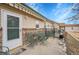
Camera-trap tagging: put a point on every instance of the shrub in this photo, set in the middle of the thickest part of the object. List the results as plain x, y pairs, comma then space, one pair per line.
34, 38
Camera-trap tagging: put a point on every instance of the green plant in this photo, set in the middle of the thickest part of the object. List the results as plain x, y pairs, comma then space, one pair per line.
34, 38
41, 36
30, 38
49, 33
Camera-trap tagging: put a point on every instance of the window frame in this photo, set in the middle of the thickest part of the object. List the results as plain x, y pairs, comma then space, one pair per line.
12, 28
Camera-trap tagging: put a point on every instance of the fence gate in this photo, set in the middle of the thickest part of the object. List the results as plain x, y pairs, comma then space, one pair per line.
56, 34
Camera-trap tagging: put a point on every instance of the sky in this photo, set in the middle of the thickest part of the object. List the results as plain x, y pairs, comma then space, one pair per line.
55, 11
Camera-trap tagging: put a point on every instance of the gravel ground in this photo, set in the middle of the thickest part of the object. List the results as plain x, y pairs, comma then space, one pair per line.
52, 46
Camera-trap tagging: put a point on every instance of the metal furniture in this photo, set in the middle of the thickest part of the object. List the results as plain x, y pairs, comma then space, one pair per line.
4, 50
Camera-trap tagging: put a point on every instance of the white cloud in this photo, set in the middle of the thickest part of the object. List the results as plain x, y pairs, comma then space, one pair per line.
65, 13
64, 16
59, 5
34, 6
60, 13
37, 7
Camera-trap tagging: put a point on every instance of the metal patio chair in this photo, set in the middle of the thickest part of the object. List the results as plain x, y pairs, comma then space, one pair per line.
4, 50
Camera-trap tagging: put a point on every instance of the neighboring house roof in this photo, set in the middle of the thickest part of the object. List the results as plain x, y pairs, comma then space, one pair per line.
69, 25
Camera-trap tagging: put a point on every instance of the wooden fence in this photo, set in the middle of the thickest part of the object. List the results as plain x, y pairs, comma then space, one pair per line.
72, 43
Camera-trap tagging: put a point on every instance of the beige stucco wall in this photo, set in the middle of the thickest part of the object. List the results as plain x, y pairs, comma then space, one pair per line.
49, 24
56, 26
27, 21
30, 22
70, 28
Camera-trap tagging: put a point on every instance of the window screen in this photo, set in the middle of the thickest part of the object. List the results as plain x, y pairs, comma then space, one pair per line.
12, 27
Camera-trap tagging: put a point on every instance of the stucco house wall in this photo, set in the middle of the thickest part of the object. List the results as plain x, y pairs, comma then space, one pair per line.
29, 25
74, 28
56, 26
30, 22
27, 22
49, 25
70, 27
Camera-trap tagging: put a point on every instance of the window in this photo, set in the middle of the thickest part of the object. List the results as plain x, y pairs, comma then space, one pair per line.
13, 34
47, 26
37, 25
12, 27
72, 28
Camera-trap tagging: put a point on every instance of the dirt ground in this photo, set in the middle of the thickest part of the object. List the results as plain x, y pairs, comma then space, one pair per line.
52, 46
